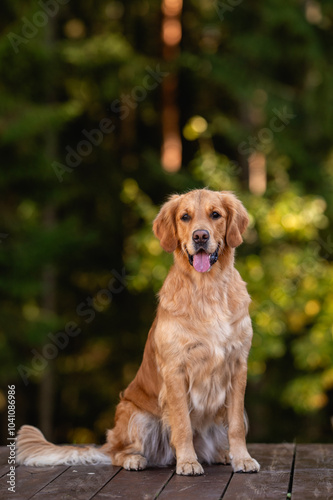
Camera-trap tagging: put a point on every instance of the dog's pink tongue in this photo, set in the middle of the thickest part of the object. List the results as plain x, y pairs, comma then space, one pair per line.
201, 262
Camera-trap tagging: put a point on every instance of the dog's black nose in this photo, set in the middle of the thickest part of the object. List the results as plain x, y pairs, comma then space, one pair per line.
200, 236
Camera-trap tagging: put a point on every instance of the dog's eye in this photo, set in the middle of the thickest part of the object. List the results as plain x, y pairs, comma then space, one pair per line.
215, 215
185, 217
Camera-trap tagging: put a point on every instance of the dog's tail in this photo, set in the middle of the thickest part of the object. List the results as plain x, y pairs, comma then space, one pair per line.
33, 449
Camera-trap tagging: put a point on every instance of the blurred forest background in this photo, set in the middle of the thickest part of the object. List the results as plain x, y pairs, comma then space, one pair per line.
107, 108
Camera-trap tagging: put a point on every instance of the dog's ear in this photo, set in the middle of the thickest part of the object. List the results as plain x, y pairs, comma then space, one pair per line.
238, 219
164, 226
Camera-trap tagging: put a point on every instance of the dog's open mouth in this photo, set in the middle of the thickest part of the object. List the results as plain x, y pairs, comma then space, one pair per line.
203, 261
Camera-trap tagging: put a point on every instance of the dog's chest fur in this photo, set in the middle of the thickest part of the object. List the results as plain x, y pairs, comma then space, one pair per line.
204, 334
208, 347
209, 366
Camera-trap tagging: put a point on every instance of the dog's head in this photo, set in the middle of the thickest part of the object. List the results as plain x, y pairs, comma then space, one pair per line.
200, 224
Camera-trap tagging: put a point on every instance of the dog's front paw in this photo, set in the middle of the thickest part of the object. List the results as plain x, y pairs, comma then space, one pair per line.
135, 462
245, 464
192, 468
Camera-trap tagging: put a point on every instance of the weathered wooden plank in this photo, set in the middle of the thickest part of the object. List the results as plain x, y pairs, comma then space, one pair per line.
273, 479
313, 478
273, 457
3, 470
312, 484
313, 473
264, 485
314, 456
3, 455
209, 486
4, 466
145, 484
29, 480
80, 482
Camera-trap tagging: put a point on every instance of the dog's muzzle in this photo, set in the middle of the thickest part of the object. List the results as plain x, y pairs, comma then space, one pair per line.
203, 261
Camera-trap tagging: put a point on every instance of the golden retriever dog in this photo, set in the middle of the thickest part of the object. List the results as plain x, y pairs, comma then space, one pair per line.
186, 402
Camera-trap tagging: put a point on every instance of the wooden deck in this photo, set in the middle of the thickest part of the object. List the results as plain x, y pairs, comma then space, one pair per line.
287, 471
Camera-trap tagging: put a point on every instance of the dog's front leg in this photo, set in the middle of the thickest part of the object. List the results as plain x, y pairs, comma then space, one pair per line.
241, 460
180, 425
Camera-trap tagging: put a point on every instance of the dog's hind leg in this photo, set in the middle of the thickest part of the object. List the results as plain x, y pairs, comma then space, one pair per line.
124, 442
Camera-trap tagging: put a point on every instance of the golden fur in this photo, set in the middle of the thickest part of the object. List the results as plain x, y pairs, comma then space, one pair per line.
187, 399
